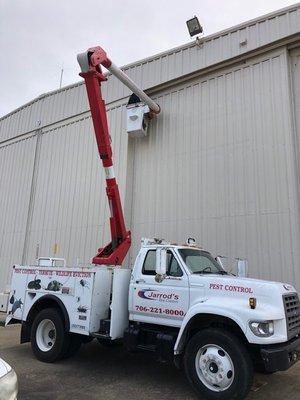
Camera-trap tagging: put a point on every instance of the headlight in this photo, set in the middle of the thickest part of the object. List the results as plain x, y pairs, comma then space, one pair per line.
9, 386
262, 328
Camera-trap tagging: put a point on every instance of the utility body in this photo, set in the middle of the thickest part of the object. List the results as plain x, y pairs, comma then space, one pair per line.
177, 302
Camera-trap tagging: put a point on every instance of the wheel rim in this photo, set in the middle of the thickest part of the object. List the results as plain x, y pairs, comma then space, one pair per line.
214, 367
45, 335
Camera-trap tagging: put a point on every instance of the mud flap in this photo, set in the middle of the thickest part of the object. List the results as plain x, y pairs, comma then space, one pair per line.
25, 332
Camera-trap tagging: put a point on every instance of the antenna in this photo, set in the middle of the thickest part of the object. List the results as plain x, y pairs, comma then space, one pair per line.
61, 76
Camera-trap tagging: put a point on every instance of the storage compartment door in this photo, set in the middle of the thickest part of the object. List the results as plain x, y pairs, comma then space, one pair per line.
119, 304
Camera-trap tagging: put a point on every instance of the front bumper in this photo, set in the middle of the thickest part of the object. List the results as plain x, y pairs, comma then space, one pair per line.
280, 357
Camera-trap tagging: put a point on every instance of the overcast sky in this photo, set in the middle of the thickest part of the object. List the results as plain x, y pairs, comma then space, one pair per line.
38, 37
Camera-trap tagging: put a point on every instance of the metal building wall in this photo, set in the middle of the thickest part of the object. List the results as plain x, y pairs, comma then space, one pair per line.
52, 192
295, 99
70, 207
156, 70
219, 164
45, 110
16, 170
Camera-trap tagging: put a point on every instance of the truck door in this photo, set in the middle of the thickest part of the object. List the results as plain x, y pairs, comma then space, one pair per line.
160, 303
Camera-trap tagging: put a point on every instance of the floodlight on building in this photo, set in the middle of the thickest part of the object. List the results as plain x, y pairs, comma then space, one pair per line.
194, 26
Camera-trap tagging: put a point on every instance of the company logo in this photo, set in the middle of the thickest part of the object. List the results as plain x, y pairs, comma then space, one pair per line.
149, 294
288, 287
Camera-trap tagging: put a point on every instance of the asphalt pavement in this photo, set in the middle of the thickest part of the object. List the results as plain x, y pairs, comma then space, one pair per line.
97, 372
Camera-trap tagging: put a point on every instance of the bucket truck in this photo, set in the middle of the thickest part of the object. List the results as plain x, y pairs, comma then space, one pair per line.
177, 302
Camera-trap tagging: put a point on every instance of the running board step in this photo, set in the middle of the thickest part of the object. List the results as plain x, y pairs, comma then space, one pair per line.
101, 335
148, 347
104, 328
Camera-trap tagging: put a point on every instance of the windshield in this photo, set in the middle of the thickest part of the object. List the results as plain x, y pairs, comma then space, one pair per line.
200, 262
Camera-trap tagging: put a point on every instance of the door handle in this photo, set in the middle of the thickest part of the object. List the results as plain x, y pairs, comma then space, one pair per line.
195, 285
140, 281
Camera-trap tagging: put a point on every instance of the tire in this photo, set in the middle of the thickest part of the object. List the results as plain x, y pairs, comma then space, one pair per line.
74, 345
214, 350
49, 341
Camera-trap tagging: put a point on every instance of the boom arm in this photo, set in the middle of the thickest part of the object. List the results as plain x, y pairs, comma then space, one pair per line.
90, 63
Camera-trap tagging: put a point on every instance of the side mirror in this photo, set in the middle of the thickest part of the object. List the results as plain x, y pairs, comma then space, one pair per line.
161, 264
242, 268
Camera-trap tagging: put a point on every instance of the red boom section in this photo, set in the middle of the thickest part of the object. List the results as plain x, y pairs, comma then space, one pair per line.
115, 252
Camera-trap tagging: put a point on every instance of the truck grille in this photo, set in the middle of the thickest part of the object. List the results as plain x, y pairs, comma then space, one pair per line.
292, 312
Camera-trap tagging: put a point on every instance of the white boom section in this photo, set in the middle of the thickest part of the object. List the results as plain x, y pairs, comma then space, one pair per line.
118, 73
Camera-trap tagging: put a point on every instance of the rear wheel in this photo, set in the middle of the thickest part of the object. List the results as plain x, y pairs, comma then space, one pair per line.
49, 341
218, 365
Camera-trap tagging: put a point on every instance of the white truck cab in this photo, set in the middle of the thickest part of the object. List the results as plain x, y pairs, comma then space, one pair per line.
177, 302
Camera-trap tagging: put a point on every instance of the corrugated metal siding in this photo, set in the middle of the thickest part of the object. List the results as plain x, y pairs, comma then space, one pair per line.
65, 103
157, 70
16, 168
295, 83
218, 165
295, 101
43, 111
216, 48
70, 203
23, 120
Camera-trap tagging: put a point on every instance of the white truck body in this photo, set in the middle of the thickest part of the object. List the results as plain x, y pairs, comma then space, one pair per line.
168, 314
90, 294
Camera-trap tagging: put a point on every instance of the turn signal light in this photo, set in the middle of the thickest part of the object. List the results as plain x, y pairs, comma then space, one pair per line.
252, 303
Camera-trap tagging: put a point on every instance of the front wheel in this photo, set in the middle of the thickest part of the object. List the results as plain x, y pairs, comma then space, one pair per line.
218, 365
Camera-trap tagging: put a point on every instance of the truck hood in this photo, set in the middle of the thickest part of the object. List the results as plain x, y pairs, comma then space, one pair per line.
229, 296
240, 287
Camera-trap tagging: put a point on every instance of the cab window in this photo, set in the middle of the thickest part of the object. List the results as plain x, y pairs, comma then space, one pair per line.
173, 268
149, 263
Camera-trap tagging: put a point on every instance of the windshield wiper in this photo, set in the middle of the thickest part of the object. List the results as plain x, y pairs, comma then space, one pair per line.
210, 272
203, 272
